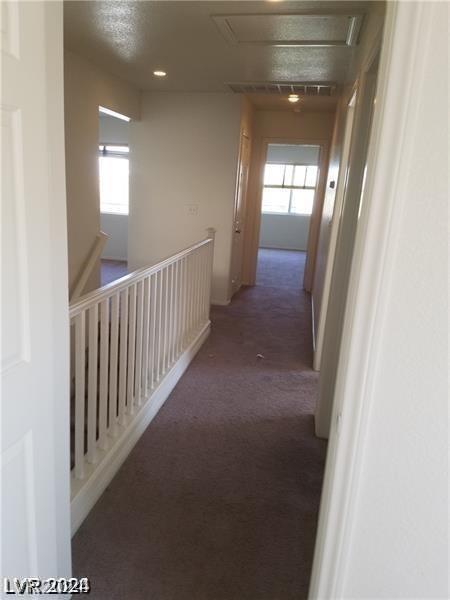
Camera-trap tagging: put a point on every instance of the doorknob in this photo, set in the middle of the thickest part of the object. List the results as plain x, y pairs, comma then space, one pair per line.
237, 231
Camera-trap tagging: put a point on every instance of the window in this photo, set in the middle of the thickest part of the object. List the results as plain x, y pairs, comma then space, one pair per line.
114, 172
289, 189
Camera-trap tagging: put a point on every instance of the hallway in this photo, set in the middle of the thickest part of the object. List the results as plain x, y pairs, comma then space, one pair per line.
219, 498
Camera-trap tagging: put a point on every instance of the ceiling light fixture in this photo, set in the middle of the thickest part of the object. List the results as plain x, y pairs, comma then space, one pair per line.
294, 98
159, 73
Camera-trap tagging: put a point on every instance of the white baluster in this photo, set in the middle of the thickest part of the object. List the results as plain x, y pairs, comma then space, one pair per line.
202, 285
180, 308
205, 284
92, 385
171, 315
190, 296
198, 289
168, 315
184, 308
146, 337
131, 349
139, 341
166, 320
113, 356
175, 311
104, 359
80, 392
159, 326
123, 342
153, 313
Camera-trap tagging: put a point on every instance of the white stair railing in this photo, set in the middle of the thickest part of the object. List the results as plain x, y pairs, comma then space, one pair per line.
128, 335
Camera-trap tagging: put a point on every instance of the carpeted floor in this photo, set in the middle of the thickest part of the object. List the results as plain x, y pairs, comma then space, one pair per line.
219, 498
110, 270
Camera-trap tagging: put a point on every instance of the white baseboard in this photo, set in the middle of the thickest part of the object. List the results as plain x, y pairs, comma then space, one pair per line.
121, 258
266, 247
220, 302
87, 491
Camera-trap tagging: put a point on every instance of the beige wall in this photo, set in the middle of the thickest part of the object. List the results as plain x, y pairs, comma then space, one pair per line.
275, 125
85, 88
184, 155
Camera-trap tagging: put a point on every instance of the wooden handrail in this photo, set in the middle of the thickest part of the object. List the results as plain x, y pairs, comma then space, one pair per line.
76, 307
94, 255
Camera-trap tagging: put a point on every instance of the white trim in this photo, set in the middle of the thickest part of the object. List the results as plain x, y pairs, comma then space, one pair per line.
220, 302
87, 491
116, 258
290, 248
340, 183
313, 329
402, 66
113, 113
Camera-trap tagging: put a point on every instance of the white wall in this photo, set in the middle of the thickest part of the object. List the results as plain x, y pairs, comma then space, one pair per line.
114, 131
184, 154
383, 527
85, 89
290, 154
116, 226
399, 545
288, 232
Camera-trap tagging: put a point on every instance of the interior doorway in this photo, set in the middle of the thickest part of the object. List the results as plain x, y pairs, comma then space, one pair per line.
347, 226
113, 167
289, 188
333, 226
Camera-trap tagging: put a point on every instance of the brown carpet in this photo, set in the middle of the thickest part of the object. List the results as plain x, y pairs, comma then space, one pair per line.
219, 498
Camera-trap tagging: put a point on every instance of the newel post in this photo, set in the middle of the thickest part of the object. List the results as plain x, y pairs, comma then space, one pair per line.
211, 233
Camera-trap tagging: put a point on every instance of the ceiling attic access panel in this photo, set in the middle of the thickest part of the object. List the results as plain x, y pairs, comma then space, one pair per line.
295, 30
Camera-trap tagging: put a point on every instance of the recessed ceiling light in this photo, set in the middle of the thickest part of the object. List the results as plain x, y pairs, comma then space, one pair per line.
293, 98
159, 73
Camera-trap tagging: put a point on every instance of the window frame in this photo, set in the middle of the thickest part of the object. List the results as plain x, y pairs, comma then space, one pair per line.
106, 150
291, 188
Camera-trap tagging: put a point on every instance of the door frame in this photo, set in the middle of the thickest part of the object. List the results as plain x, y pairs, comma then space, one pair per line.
244, 134
341, 185
408, 26
253, 209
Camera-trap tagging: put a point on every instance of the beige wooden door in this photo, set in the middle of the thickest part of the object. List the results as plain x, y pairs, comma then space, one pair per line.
239, 214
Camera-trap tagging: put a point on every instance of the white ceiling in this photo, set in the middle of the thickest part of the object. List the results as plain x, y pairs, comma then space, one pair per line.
132, 39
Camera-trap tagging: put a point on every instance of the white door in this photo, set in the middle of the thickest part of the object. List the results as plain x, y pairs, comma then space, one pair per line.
239, 212
34, 461
333, 225
346, 235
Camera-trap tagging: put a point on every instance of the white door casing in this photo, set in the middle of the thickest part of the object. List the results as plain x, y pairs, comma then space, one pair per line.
334, 228
239, 214
35, 518
345, 239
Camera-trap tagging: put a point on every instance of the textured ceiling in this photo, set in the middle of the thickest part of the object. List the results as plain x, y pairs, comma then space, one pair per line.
132, 39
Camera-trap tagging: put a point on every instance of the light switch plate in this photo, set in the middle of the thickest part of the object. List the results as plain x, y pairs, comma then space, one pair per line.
192, 210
